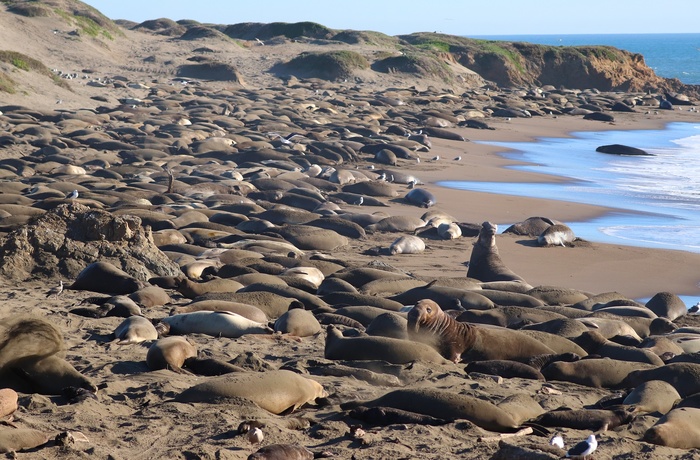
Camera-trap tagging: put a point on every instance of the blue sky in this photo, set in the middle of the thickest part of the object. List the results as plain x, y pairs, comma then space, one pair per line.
457, 17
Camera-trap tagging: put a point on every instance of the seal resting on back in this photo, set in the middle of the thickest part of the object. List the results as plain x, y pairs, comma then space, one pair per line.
429, 324
485, 264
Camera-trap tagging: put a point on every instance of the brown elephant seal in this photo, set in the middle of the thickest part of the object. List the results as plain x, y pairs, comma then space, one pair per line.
298, 322
595, 344
23, 339
446, 405
19, 439
150, 296
8, 402
667, 305
678, 428
684, 377
427, 323
532, 226
384, 416
395, 351
105, 278
135, 329
596, 373
505, 368
277, 392
170, 353
407, 244
585, 419
389, 325
485, 263
282, 452
214, 323
191, 289
652, 396
48, 376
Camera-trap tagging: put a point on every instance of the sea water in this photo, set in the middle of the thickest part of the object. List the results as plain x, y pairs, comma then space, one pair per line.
656, 198
669, 55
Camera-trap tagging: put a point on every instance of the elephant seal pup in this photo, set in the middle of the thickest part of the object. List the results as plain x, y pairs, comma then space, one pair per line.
446, 405
395, 351
407, 244
135, 329
429, 324
484, 263
278, 392
652, 396
298, 322
214, 323
170, 353
105, 278
678, 428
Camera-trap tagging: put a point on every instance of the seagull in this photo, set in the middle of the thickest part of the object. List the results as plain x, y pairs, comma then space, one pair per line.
72, 195
557, 440
359, 201
417, 159
695, 308
459, 158
255, 435
436, 157
382, 176
583, 449
56, 290
412, 183
260, 42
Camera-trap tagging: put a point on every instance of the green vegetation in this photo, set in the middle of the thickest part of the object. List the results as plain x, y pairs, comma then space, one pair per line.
298, 29
331, 65
7, 84
26, 63
411, 63
435, 45
502, 49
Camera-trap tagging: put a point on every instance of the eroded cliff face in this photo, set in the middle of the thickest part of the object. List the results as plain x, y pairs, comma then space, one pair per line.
524, 64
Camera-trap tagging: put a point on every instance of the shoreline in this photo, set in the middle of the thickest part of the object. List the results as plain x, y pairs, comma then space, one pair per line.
601, 268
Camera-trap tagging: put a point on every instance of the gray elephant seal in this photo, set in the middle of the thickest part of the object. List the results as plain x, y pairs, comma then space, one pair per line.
556, 235
420, 197
282, 452
106, 278
485, 263
135, 329
407, 244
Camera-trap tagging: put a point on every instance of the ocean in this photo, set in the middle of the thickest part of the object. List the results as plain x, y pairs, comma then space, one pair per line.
657, 198
669, 55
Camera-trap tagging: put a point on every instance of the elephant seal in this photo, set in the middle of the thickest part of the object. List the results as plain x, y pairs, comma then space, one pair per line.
277, 392
298, 322
190, 289
388, 325
407, 244
684, 377
445, 405
420, 197
251, 312
105, 278
214, 323
505, 368
427, 323
556, 235
23, 339
596, 373
170, 353
585, 419
395, 351
8, 402
135, 329
485, 263
18, 439
678, 428
667, 305
652, 396
532, 226
595, 344
282, 452
384, 416
48, 376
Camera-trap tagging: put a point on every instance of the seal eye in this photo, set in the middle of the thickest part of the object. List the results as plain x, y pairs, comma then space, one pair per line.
429, 310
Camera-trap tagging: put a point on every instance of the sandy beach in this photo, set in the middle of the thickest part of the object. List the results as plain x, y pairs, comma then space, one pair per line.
185, 184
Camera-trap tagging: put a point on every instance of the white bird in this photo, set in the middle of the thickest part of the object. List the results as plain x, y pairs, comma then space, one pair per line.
436, 157
255, 435
72, 195
583, 449
359, 201
56, 290
459, 158
417, 159
557, 440
260, 42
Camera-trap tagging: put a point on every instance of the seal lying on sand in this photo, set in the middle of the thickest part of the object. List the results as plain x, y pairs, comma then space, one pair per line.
485, 264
